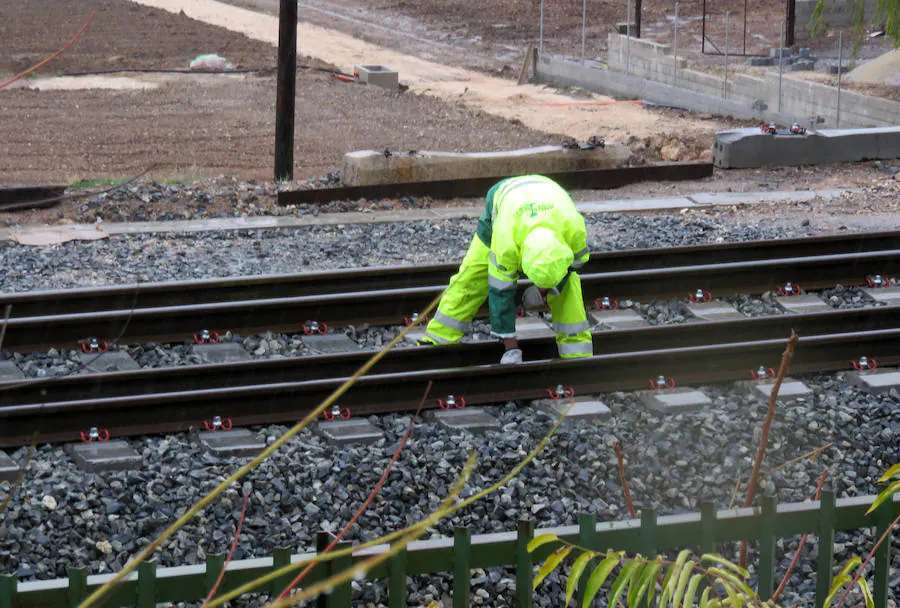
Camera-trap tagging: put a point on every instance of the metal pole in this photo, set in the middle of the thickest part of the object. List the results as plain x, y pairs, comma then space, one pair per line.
725, 80
703, 31
286, 91
745, 27
541, 35
780, 65
628, 40
840, 72
675, 48
583, 27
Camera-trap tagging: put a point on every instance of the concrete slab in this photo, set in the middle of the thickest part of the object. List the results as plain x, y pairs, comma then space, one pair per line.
626, 205
886, 295
342, 432
330, 343
223, 352
237, 442
803, 303
751, 198
414, 335
584, 408
532, 328
715, 311
9, 372
623, 318
9, 468
791, 390
674, 401
112, 361
378, 75
474, 420
115, 455
368, 167
876, 381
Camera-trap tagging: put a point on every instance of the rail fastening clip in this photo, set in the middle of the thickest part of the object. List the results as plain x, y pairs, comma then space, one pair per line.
314, 327
94, 434
336, 412
452, 402
207, 337
93, 345
562, 391
701, 295
789, 289
662, 382
864, 364
218, 424
763, 373
606, 303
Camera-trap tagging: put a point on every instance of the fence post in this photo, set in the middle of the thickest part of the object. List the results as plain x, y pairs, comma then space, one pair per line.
780, 65
214, 565
342, 596
146, 585
281, 558
77, 586
708, 527
825, 561
883, 518
397, 581
462, 557
587, 529
628, 40
725, 79
323, 539
837, 122
541, 34
8, 584
675, 48
583, 27
524, 565
286, 91
766, 569
648, 532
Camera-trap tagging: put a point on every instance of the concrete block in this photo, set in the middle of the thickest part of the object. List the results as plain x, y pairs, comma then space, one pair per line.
9, 468
780, 52
115, 455
378, 75
584, 408
875, 381
9, 372
224, 352
805, 53
715, 311
802, 304
791, 390
760, 61
368, 167
886, 295
342, 432
237, 442
674, 401
623, 318
111, 361
533, 328
330, 343
803, 65
473, 420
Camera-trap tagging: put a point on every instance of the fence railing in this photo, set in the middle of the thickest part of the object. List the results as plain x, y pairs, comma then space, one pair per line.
459, 555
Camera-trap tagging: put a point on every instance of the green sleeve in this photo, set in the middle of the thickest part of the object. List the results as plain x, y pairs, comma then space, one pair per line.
502, 303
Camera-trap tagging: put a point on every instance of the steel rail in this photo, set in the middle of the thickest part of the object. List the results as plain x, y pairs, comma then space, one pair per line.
587, 179
392, 392
389, 307
303, 369
182, 293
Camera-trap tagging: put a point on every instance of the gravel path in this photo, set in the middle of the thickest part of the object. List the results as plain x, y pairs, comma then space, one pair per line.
63, 517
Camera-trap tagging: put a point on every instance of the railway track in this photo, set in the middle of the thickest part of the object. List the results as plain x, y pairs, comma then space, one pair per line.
283, 390
385, 296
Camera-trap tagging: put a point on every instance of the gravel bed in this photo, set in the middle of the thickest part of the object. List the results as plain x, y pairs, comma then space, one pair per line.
848, 297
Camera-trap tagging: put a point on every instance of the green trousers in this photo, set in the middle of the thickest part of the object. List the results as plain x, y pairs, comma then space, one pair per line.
469, 287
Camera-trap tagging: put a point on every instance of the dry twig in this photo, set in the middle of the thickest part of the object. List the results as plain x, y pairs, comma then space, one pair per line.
621, 458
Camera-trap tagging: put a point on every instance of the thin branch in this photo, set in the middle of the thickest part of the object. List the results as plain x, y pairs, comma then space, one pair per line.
237, 536
620, 457
53, 56
372, 494
867, 560
812, 453
764, 436
6, 315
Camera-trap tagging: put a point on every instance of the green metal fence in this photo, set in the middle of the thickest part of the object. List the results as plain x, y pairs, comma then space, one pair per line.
649, 535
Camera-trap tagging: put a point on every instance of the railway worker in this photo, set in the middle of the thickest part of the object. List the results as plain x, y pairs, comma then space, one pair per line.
529, 224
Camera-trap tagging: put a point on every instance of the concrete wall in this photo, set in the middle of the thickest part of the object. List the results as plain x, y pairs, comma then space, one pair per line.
800, 99
837, 13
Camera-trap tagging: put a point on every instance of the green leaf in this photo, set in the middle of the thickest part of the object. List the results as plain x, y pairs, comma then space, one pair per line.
625, 576
884, 495
729, 588
671, 579
852, 563
648, 587
577, 568
731, 578
837, 584
636, 582
550, 565
704, 599
867, 593
682, 582
543, 539
598, 577
691, 591
711, 557
891, 472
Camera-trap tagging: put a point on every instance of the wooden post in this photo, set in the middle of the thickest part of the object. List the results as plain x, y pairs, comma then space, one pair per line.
287, 89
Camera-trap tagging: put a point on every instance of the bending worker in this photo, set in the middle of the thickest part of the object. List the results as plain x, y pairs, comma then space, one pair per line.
529, 224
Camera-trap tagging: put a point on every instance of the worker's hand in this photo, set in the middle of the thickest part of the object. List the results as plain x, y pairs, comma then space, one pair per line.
533, 299
511, 357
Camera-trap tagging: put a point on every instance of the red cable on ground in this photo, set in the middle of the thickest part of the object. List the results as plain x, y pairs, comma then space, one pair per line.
237, 535
53, 56
368, 501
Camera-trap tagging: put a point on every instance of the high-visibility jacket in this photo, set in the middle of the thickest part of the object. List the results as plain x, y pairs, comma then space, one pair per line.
513, 208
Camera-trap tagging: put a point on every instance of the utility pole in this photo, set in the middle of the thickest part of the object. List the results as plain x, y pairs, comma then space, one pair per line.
637, 18
286, 91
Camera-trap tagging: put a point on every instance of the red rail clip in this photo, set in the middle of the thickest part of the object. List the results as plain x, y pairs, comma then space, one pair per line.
415, 317
561, 392
662, 382
701, 295
789, 289
763, 373
313, 327
93, 345
878, 281
207, 337
218, 424
337, 412
606, 304
94, 434
864, 364
452, 403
